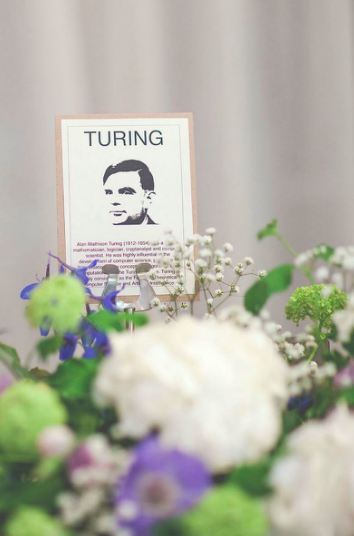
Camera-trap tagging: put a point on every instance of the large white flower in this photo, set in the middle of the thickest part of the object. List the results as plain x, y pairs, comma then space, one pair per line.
314, 484
212, 389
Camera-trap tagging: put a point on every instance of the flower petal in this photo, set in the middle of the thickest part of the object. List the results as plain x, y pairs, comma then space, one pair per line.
27, 291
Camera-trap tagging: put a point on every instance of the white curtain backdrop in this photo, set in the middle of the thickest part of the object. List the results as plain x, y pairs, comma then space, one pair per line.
270, 84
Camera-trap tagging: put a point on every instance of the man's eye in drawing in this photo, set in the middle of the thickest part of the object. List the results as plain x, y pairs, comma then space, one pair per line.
127, 191
108, 192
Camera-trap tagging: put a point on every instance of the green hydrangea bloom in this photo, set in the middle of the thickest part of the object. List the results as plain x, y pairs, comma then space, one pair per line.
30, 521
310, 302
58, 300
226, 511
27, 408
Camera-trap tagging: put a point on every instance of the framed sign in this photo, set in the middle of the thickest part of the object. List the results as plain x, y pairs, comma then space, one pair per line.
122, 180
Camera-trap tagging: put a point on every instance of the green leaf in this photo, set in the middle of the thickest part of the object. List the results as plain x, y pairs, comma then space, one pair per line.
347, 395
49, 345
73, 378
172, 527
9, 357
106, 321
323, 252
39, 374
16, 493
268, 230
275, 281
253, 479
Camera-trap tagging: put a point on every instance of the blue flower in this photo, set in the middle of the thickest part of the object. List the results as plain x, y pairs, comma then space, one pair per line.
26, 295
302, 403
80, 273
27, 291
68, 347
109, 301
94, 342
159, 485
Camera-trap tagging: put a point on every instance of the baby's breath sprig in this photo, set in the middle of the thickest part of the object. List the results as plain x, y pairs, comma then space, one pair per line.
209, 267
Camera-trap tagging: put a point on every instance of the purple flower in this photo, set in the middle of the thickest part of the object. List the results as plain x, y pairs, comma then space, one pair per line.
345, 377
26, 295
68, 347
94, 342
109, 301
80, 273
27, 291
160, 484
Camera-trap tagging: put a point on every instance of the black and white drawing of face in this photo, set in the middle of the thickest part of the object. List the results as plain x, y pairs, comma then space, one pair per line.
127, 201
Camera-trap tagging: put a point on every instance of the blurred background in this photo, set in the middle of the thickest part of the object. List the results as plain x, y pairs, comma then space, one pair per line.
270, 84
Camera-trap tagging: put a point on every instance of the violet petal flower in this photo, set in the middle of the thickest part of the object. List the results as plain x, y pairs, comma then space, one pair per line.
27, 291
93, 341
26, 295
109, 301
160, 484
68, 348
80, 273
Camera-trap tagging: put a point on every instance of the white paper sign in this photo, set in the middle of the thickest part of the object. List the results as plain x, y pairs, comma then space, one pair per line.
122, 181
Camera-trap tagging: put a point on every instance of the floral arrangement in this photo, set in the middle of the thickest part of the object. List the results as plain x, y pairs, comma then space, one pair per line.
225, 426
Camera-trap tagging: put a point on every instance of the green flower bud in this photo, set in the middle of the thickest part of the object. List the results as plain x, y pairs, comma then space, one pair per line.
27, 408
317, 302
226, 511
30, 521
57, 301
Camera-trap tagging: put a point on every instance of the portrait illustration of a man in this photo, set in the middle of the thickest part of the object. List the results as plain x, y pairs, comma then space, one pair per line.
129, 191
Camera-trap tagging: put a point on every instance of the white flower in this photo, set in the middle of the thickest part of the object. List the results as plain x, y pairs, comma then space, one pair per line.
200, 263
248, 261
56, 441
155, 302
210, 231
344, 320
212, 390
184, 305
343, 257
210, 277
227, 247
219, 278
227, 261
326, 291
264, 314
210, 302
303, 258
206, 240
218, 292
235, 289
322, 274
262, 273
239, 270
205, 252
218, 253
338, 280
314, 484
